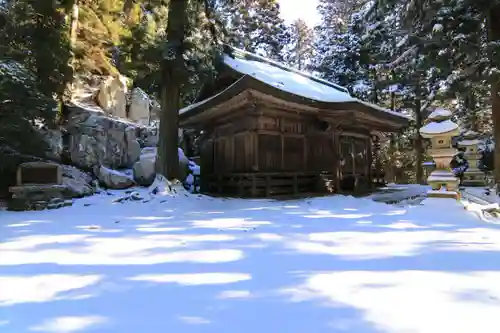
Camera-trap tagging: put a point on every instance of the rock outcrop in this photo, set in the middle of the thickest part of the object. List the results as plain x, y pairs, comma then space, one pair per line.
108, 129
94, 139
112, 96
114, 179
54, 139
140, 107
79, 183
144, 168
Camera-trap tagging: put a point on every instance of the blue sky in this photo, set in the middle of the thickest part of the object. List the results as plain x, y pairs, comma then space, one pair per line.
305, 9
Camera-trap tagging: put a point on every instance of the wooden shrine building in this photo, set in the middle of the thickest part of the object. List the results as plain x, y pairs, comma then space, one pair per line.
270, 130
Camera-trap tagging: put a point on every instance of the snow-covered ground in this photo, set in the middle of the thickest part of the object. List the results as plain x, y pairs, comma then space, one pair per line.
199, 264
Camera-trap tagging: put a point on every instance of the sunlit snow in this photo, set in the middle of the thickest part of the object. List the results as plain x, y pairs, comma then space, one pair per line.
193, 263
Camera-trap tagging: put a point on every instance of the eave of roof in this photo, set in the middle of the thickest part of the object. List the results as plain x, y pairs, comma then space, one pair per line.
249, 82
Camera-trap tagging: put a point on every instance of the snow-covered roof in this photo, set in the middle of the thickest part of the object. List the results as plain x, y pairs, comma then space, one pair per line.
470, 135
286, 79
471, 142
434, 128
439, 114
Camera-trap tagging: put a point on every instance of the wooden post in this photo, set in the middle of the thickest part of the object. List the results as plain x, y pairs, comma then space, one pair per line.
241, 186
268, 186
219, 183
295, 185
254, 186
369, 175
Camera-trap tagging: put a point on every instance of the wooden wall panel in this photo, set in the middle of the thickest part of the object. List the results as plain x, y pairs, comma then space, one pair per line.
240, 153
291, 126
207, 156
269, 152
268, 123
224, 156
293, 153
346, 155
320, 153
360, 155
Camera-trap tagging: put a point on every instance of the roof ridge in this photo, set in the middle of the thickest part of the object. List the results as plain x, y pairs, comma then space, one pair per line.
252, 56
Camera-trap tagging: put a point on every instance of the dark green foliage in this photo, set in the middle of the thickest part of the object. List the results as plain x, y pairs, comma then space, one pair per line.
33, 73
35, 35
256, 26
22, 106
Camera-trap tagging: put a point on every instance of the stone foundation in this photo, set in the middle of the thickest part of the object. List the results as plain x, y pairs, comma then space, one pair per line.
37, 197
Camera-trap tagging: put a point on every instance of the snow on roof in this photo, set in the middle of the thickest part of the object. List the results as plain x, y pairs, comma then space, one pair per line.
375, 106
439, 114
470, 142
470, 134
292, 80
433, 128
288, 80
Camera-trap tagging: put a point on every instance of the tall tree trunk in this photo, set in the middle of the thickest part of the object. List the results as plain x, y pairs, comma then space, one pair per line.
73, 34
419, 149
172, 76
470, 107
493, 23
74, 23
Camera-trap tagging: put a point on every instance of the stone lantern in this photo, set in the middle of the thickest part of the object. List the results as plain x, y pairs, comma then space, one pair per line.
440, 129
470, 142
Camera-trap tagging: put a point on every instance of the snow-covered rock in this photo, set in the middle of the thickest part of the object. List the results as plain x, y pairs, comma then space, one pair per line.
195, 168
183, 165
114, 179
148, 136
133, 146
189, 182
96, 139
79, 183
438, 27
112, 96
54, 139
154, 110
139, 109
144, 168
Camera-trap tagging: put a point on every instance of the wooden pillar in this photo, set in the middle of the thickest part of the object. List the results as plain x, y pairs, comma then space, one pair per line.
254, 186
241, 187
336, 159
369, 163
255, 141
268, 186
295, 185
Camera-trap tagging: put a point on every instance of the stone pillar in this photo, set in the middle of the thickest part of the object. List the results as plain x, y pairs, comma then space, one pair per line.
473, 176
440, 129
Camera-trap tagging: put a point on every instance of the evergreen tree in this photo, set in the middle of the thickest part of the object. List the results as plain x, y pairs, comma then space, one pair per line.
33, 73
35, 34
256, 26
301, 49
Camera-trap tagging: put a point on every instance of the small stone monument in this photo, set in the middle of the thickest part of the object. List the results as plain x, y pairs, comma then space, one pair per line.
440, 129
473, 176
39, 186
